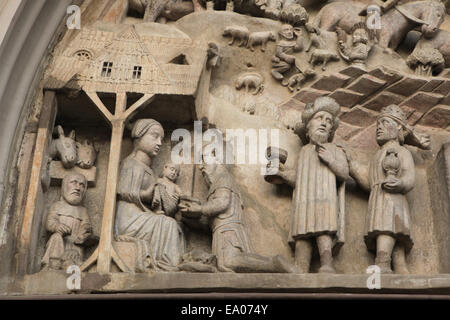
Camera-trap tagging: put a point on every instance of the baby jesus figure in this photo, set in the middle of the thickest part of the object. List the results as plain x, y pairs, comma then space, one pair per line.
166, 196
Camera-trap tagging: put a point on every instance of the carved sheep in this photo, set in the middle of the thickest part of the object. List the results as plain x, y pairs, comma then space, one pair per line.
236, 33
250, 80
260, 38
296, 81
324, 56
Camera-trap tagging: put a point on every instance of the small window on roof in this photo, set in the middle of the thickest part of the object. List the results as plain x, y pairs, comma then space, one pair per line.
106, 69
83, 55
180, 59
137, 71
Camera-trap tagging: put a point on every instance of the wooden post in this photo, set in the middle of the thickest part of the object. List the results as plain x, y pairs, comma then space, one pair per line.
31, 217
105, 251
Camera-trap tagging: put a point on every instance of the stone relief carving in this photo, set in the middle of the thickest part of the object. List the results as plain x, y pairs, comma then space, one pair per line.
64, 148
439, 42
318, 182
297, 80
71, 152
351, 98
69, 224
357, 52
87, 154
426, 62
396, 22
158, 237
238, 33
166, 195
322, 53
224, 207
250, 80
260, 38
390, 176
290, 42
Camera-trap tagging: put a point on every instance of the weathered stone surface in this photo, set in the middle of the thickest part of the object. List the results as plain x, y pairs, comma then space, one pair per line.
382, 100
353, 71
443, 88
55, 283
387, 74
438, 117
307, 95
360, 116
422, 101
446, 100
407, 86
331, 82
366, 84
432, 84
445, 73
347, 131
346, 98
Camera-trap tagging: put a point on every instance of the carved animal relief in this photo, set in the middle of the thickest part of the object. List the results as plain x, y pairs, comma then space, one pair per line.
169, 138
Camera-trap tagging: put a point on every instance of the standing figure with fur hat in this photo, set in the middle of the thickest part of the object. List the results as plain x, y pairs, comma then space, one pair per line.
319, 188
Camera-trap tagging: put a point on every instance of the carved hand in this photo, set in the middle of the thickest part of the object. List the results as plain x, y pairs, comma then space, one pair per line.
325, 154
63, 229
191, 210
392, 185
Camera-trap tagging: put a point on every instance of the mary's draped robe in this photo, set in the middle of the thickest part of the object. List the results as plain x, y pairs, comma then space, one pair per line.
158, 236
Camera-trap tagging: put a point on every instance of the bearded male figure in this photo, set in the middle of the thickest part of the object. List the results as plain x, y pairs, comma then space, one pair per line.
69, 223
318, 213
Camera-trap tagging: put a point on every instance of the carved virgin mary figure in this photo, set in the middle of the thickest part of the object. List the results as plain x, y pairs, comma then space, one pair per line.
159, 238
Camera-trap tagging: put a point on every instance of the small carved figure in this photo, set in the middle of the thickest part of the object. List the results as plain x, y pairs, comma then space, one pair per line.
290, 42
167, 194
69, 224
362, 42
64, 148
319, 187
260, 38
213, 55
390, 176
297, 80
236, 33
224, 207
250, 80
87, 154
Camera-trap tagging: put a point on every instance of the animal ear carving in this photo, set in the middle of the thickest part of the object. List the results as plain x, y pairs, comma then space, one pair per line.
72, 134
60, 131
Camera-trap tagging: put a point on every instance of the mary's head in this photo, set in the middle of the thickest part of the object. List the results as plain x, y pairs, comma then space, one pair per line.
148, 135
